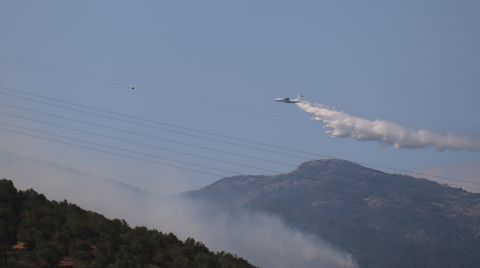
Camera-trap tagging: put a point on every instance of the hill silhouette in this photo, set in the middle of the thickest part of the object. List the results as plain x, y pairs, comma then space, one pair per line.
383, 220
36, 232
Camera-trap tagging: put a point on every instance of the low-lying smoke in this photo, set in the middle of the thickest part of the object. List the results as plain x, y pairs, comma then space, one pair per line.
343, 125
264, 240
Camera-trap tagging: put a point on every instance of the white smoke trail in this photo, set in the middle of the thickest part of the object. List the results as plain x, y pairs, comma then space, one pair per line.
341, 125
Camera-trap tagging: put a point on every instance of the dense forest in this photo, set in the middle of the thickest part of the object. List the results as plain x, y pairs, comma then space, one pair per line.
36, 232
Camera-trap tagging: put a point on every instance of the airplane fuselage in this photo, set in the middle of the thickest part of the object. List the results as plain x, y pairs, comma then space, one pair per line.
288, 100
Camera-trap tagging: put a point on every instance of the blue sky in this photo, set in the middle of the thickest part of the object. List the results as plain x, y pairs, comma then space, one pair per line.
412, 62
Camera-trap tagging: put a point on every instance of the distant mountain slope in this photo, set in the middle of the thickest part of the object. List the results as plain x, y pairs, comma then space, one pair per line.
35, 232
384, 220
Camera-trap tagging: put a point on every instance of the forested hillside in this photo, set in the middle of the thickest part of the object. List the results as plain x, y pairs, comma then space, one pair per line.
383, 220
36, 232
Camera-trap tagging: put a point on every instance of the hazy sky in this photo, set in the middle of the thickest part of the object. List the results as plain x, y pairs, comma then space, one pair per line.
411, 62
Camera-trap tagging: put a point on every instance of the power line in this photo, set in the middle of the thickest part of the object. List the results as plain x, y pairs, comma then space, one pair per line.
290, 190
131, 151
237, 172
170, 150
125, 85
147, 135
150, 126
134, 142
134, 117
206, 132
116, 148
203, 172
160, 138
122, 149
111, 153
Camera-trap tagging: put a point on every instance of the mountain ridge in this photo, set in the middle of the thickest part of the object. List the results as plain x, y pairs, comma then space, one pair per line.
384, 220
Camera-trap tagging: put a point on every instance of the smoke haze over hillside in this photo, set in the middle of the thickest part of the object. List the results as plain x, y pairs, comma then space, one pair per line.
262, 239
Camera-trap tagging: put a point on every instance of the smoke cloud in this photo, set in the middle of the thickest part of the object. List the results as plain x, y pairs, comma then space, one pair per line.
343, 125
264, 240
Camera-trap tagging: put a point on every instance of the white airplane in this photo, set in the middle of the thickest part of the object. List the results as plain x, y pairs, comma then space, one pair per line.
288, 100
